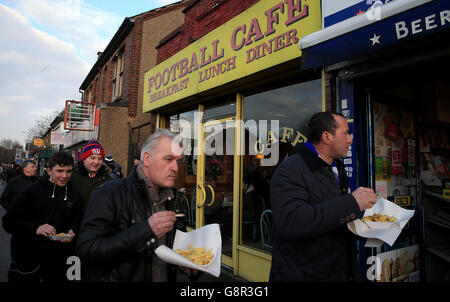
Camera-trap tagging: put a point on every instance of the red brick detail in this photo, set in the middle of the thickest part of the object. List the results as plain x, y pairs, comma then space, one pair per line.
201, 18
135, 62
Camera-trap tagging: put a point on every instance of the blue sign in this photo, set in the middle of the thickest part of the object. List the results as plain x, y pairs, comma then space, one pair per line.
351, 11
416, 22
347, 110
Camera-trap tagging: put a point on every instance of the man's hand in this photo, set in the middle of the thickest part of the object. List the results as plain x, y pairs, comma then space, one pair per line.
162, 222
45, 230
189, 271
365, 198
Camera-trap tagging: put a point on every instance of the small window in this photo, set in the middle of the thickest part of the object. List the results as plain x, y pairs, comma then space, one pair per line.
117, 76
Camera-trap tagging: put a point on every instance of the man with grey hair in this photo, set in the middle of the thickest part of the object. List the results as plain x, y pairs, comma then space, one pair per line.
17, 183
127, 219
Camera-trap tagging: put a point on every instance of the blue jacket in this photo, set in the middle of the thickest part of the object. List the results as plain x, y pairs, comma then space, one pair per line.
311, 241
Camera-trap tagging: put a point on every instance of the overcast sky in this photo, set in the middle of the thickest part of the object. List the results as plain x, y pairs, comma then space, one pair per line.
47, 47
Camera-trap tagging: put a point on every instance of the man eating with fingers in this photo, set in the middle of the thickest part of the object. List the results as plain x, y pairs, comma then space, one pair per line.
127, 219
43, 209
311, 206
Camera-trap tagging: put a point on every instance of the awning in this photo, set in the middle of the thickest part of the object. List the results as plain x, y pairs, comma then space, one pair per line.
393, 23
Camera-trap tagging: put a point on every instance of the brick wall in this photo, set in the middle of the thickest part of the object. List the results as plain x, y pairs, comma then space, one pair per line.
139, 56
135, 61
201, 18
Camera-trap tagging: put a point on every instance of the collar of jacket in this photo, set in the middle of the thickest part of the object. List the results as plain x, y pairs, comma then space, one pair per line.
28, 178
80, 168
45, 180
311, 159
315, 163
155, 195
133, 180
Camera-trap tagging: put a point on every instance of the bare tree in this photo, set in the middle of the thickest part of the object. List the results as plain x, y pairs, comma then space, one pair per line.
41, 126
8, 150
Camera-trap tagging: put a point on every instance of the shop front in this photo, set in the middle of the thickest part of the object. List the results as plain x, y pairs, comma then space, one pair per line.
392, 83
240, 101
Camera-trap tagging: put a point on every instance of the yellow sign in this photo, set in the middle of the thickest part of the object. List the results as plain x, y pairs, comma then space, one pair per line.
38, 142
446, 193
265, 35
403, 201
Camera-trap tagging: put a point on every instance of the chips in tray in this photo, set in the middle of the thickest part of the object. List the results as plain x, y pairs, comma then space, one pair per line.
199, 256
60, 236
380, 218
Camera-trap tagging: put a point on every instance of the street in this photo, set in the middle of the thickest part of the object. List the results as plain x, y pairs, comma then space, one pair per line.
4, 246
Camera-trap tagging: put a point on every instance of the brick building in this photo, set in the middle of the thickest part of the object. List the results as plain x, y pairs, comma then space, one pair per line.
115, 81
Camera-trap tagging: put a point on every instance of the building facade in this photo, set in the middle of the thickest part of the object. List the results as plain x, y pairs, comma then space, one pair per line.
115, 81
229, 81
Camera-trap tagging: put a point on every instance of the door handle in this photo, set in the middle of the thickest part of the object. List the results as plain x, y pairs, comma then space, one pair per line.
202, 202
213, 197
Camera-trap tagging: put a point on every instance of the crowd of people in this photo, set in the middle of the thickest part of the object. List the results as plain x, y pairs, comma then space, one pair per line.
87, 209
114, 224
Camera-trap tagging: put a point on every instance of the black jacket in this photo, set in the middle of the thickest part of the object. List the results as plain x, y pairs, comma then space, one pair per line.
86, 185
35, 206
116, 242
13, 188
311, 241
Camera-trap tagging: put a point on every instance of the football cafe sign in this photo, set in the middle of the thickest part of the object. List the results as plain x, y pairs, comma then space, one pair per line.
265, 35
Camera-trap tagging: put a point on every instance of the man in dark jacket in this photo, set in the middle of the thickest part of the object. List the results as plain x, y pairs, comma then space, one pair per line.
116, 168
17, 183
40, 211
126, 219
89, 173
311, 206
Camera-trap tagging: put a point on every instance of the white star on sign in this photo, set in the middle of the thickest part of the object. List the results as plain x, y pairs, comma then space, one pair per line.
375, 39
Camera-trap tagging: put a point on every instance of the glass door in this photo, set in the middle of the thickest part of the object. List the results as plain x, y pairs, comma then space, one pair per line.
208, 174
215, 180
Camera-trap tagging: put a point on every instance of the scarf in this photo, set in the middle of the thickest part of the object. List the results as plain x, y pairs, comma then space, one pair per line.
157, 199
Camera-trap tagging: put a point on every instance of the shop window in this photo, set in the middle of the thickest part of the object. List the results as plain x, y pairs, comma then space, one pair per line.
292, 107
187, 170
220, 110
411, 138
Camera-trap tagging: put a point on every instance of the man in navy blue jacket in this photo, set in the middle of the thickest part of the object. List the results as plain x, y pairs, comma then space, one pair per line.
311, 206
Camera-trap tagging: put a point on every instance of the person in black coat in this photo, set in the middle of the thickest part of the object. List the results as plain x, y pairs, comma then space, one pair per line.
127, 219
90, 172
116, 168
42, 209
17, 183
311, 206
12, 171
